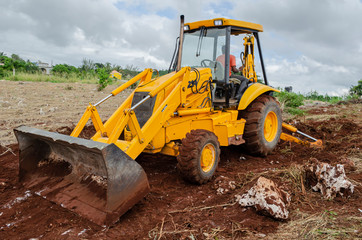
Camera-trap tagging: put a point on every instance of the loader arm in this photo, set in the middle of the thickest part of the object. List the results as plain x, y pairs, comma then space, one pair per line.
125, 117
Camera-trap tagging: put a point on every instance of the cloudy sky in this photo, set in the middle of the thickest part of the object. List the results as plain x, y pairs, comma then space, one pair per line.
310, 45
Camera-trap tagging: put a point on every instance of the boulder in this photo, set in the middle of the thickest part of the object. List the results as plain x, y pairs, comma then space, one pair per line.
329, 180
267, 198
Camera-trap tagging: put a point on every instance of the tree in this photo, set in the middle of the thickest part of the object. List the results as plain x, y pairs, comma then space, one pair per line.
60, 68
16, 57
87, 65
356, 90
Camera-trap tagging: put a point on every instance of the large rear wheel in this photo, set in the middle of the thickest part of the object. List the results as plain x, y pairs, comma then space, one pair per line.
263, 125
198, 156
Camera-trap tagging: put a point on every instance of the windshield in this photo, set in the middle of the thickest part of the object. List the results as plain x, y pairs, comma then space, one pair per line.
202, 48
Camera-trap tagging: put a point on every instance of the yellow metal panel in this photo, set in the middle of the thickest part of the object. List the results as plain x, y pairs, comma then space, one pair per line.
226, 131
168, 81
226, 22
159, 140
178, 131
206, 124
253, 92
236, 128
223, 117
221, 131
170, 149
156, 121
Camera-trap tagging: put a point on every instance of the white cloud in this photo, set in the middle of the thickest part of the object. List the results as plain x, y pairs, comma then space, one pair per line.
312, 45
306, 74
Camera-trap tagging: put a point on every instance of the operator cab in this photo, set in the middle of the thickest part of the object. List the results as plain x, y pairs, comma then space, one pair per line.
207, 44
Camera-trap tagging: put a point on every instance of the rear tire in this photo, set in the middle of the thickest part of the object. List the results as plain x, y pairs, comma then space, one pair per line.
198, 156
263, 125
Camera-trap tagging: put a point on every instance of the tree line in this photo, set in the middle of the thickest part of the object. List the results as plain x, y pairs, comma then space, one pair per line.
101, 71
87, 70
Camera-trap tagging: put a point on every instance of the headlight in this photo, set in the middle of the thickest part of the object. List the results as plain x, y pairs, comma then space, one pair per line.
186, 27
217, 22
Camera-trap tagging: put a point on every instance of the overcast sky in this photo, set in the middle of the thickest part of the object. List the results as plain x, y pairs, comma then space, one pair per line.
310, 45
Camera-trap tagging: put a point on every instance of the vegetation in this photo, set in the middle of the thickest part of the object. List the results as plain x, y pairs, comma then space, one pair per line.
313, 95
290, 102
356, 91
15, 63
16, 69
104, 78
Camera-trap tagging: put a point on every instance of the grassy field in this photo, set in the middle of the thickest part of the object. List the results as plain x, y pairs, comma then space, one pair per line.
38, 77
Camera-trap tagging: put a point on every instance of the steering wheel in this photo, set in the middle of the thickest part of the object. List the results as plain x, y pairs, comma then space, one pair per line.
207, 63
217, 68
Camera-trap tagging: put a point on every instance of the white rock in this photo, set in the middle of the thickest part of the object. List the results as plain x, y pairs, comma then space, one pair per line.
66, 232
329, 180
260, 235
18, 200
224, 185
267, 198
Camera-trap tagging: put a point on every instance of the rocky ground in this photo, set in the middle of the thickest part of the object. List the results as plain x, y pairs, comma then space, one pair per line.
175, 209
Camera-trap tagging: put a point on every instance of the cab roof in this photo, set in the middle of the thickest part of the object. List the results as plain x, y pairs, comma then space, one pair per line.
237, 26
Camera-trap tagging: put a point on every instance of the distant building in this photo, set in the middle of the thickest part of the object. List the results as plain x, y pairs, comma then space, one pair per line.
44, 67
289, 89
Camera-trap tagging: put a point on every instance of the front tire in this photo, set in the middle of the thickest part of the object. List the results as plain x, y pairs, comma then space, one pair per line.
198, 156
263, 125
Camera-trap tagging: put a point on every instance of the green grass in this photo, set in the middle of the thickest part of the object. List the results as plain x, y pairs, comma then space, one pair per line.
295, 111
38, 77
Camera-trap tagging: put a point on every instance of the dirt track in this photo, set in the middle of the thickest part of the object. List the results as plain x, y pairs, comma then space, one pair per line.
175, 209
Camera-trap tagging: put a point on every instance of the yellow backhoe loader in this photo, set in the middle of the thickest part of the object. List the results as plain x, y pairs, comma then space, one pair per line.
188, 113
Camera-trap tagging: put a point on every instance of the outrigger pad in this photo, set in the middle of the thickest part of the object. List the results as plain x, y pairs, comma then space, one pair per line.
96, 180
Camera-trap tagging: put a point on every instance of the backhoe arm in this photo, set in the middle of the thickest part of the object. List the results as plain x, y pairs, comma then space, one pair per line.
248, 59
287, 137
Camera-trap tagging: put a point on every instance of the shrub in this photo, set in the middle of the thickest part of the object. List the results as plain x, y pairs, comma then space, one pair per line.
290, 99
314, 95
104, 78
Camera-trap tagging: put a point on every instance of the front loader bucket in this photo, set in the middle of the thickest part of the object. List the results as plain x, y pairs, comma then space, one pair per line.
96, 180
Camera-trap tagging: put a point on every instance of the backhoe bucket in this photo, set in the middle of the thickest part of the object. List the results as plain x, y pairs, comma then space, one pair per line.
96, 180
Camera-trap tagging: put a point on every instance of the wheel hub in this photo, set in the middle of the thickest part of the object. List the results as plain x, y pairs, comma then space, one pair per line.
208, 157
270, 126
